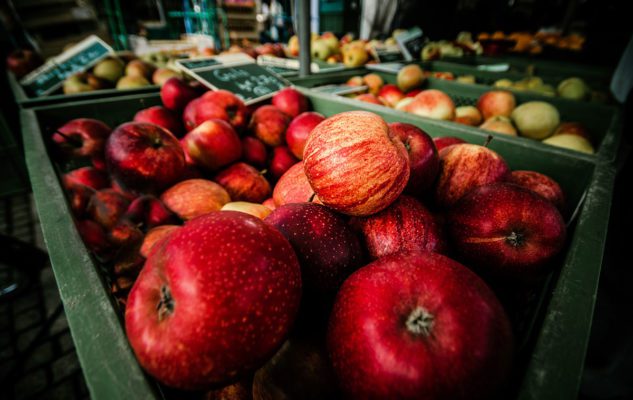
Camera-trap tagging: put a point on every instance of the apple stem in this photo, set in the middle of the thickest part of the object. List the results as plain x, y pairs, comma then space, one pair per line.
488, 140
165, 306
76, 142
420, 321
515, 239
263, 171
312, 196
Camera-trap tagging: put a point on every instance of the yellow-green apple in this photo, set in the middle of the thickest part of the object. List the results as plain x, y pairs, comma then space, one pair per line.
175, 94
406, 225
332, 41
355, 81
420, 309
423, 158
162, 75
88, 176
290, 101
573, 88
571, 141
254, 151
269, 125
148, 212
432, 103
572, 128
410, 77
499, 124
256, 210
354, 164
463, 167
441, 142
468, 115
106, 206
320, 49
77, 83
536, 119
390, 95
299, 130
374, 83
402, 104
22, 61
161, 116
540, 184
194, 197
293, 46
469, 79
355, 56
132, 82
154, 236
110, 69
293, 187
496, 102
139, 68
212, 145
507, 232
369, 98
227, 276
244, 183
326, 246
82, 137
232, 109
98, 83
281, 161
144, 157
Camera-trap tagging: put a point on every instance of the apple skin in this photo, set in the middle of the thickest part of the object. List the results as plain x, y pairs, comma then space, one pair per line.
499, 124
432, 103
144, 157
212, 145
291, 102
106, 206
281, 162
572, 128
244, 183
496, 102
269, 125
189, 114
423, 158
206, 281
507, 232
326, 246
93, 236
369, 98
406, 225
232, 108
162, 117
540, 184
299, 130
149, 212
254, 151
445, 141
465, 166
412, 93
77, 83
154, 236
468, 115
194, 197
410, 77
374, 83
22, 61
162, 75
176, 94
139, 68
390, 95
354, 164
256, 210
293, 187
87, 176
82, 137
404, 327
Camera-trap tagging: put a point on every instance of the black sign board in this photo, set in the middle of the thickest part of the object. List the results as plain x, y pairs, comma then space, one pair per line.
411, 43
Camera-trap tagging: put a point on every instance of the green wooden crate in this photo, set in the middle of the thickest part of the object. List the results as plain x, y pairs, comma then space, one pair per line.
551, 368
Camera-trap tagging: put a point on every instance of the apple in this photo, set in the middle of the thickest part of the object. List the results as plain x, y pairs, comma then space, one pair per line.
354, 164
87, 176
176, 94
82, 137
299, 130
355, 81
231, 109
423, 158
412, 92
22, 61
244, 183
402, 104
499, 124
468, 115
189, 114
93, 236
162, 75
98, 83
254, 151
540, 184
327, 248
144, 157
402, 327
132, 82
374, 83
410, 77
154, 236
293, 187
256, 210
110, 69
390, 95
496, 102
282, 160
227, 276
464, 167
269, 125
572, 142
79, 197
369, 98
573, 88
293, 46
290, 101
432, 103
445, 141
536, 119
507, 232
212, 145
446, 75
161, 116
148, 212
240, 390
355, 56
140, 69
125, 235
106, 206
194, 197
573, 128
77, 83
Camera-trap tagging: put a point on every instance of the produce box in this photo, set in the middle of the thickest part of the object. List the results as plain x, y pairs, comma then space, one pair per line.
552, 333
603, 122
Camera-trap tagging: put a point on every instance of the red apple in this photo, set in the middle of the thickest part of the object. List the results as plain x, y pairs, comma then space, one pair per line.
244, 183
79, 196
23, 61
87, 176
406, 225
412, 93
269, 125
212, 145
423, 158
194, 197
540, 184
419, 325
299, 130
227, 276
106, 207
163, 117
507, 232
390, 95
465, 166
282, 161
232, 108
354, 164
369, 98
176, 94
573, 128
327, 248
125, 235
445, 141
93, 236
82, 137
148, 212
189, 114
432, 103
293, 187
154, 236
254, 151
290, 101
496, 102
144, 157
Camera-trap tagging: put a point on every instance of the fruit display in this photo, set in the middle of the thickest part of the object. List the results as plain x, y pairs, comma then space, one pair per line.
257, 246
535, 43
572, 88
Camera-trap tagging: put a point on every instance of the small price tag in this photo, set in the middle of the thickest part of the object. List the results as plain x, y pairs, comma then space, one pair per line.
387, 53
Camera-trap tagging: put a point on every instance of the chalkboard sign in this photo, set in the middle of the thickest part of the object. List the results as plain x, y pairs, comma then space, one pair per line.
50, 76
387, 53
411, 43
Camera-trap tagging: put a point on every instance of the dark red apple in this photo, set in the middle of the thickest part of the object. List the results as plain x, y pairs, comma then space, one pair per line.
540, 184
176, 94
413, 92
87, 176
419, 325
163, 117
23, 61
144, 157
125, 234
445, 141
423, 158
214, 301
106, 207
93, 236
406, 225
244, 183
82, 137
507, 232
290, 101
233, 110
148, 212
212, 145
327, 248
269, 125
390, 95
293, 187
189, 114
281, 162
299, 130
79, 198
254, 151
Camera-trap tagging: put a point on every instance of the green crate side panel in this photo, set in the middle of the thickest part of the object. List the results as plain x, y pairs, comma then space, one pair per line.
107, 361
15, 177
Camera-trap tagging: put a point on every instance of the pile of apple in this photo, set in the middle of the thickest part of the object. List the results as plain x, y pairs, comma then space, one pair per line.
365, 273
495, 111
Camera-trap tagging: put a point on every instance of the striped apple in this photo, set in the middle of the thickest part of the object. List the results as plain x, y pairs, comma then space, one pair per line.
354, 164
